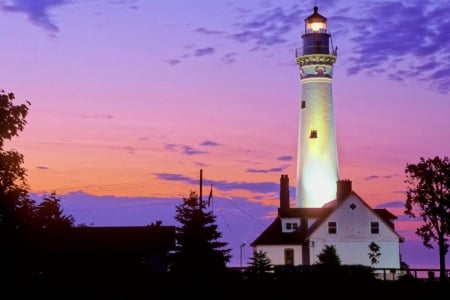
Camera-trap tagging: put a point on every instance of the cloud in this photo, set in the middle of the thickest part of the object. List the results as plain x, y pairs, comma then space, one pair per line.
398, 39
183, 149
171, 147
209, 143
253, 187
204, 51
99, 116
173, 62
270, 27
392, 204
229, 58
264, 170
374, 177
188, 150
209, 31
401, 40
128, 149
36, 10
193, 52
285, 158
42, 168
176, 177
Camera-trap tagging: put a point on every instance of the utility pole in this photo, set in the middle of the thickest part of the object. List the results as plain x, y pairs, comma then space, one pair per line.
201, 187
240, 261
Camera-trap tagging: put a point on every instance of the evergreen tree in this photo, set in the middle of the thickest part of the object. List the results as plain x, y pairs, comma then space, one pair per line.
328, 257
260, 263
198, 249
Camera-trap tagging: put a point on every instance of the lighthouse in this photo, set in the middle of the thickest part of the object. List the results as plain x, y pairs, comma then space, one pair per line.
317, 159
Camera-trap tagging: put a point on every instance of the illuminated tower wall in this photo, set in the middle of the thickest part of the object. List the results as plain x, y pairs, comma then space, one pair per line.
317, 159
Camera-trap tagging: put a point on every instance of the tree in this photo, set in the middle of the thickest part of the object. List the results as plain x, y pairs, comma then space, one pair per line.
49, 214
21, 219
260, 263
328, 257
16, 208
198, 248
374, 254
14, 201
428, 196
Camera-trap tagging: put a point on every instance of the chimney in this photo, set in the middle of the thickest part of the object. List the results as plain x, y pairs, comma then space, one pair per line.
284, 193
344, 188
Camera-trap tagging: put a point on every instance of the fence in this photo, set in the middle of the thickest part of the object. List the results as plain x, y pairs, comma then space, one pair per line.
381, 273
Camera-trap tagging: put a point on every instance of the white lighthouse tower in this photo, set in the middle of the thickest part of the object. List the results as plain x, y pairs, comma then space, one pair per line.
317, 159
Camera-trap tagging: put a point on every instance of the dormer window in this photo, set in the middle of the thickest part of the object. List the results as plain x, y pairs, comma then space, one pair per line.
291, 226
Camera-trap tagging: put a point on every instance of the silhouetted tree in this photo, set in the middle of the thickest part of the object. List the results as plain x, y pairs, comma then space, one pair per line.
328, 257
157, 223
260, 263
428, 195
374, 254
16, 209
198, 248
21, 219
49, 214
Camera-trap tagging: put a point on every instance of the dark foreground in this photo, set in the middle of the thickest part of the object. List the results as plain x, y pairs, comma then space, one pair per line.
232, 286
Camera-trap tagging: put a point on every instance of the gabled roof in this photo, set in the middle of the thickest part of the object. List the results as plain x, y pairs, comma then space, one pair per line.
273, 235
384, 215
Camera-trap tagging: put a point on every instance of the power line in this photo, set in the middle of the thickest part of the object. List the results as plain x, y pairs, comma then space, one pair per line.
112, 187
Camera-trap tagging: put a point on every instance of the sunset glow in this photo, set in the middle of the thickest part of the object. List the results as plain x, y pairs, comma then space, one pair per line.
130, 99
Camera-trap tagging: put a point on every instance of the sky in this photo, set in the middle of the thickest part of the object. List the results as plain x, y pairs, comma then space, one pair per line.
131, 99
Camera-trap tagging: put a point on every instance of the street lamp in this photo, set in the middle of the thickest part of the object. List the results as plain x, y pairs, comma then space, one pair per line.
242, 246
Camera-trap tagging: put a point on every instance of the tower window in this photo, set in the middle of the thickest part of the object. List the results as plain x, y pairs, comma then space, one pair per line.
332, 227
374, 227
313, 134
303, 104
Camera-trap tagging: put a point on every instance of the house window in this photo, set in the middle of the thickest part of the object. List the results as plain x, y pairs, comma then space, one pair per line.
332, 227
290, 226
303, 104
374, 227
313, 134
289, 257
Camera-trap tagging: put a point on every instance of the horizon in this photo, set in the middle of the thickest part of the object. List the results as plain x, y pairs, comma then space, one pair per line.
130, 99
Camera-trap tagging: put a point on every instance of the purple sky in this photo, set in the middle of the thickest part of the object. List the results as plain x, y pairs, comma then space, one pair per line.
130, 99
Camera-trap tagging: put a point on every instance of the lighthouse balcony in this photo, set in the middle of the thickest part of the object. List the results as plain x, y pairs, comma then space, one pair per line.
314, 59
315, 50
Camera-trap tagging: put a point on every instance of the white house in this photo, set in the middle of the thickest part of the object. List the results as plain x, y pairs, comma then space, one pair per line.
298, 235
